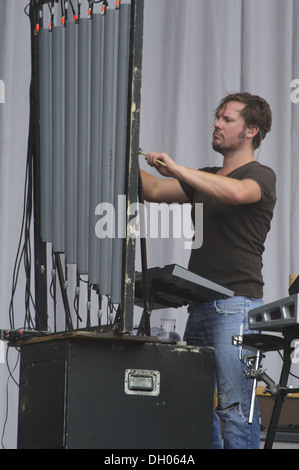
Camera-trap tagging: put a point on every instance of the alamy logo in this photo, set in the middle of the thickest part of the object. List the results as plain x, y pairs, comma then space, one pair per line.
155, 221
295, 92
2, 92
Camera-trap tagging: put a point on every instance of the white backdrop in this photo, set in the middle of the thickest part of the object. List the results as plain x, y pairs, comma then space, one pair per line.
195, 51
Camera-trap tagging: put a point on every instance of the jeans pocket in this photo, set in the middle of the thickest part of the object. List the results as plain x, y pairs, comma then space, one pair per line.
231, 306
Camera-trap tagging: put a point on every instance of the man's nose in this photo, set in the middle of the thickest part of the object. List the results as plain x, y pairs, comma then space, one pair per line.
217, 124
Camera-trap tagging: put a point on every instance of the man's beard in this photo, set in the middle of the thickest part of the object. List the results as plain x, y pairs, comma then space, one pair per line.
223, 147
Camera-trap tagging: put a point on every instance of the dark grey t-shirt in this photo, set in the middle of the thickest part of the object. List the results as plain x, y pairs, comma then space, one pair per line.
234, 236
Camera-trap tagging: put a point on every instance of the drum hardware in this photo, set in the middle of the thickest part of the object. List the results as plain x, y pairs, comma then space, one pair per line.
259, 344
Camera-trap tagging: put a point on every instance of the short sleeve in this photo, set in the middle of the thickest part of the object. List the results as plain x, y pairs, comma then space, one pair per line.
266, 179
187, 190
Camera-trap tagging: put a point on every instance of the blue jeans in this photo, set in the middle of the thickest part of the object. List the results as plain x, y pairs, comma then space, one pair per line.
214, 324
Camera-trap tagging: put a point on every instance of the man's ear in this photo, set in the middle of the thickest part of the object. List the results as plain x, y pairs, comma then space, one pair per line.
252, 131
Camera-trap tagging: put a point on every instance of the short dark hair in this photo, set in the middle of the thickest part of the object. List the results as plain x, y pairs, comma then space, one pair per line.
256, 112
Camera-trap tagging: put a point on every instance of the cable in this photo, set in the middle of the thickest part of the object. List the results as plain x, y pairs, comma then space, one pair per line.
63, 18
90, 8
10, 376
290, 373
26, 8
104, 6
75, 16
24, 250
52, 12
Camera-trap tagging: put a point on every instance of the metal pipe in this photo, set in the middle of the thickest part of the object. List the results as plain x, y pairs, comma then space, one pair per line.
120, 151
71, 124
84, 44
58, 139
97, 70
108, 156
45, 61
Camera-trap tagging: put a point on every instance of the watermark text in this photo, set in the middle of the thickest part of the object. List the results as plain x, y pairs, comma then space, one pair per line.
295, 92
152, 221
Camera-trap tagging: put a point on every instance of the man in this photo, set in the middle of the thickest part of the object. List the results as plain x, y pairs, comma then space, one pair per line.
238, 202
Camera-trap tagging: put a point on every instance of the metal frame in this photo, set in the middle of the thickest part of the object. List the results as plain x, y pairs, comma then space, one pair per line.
124, 320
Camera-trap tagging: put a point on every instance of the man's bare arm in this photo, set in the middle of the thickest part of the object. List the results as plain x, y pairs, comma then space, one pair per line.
162, 190
224, 188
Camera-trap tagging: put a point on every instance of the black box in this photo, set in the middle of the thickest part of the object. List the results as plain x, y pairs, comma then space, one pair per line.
91, 391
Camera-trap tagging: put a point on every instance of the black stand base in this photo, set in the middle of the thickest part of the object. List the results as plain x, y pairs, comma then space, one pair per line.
265, 343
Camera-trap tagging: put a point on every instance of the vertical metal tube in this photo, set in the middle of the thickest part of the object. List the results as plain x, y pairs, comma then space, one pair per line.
97, 51
71, 123
83, 144
45, 60
254, 387
108, 157
120, 150
58, 139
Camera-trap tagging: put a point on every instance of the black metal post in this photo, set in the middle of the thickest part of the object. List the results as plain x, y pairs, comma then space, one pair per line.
40, 256
281, 394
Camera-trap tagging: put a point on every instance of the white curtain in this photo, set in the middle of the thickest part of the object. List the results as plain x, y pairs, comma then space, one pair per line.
15, 70
195, 52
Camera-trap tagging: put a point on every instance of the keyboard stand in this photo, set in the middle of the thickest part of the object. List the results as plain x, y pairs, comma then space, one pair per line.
261, 344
